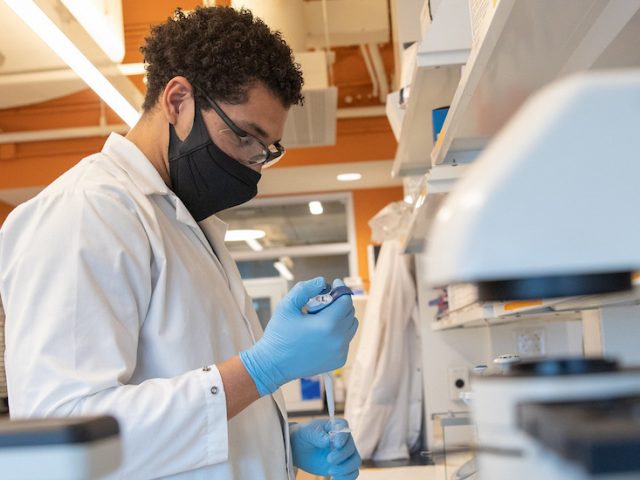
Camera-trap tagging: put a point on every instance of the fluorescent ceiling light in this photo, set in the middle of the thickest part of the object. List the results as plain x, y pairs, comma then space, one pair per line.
315, 207
254, 244
49, 32
283, 270
349, 177
243, 235
103, 21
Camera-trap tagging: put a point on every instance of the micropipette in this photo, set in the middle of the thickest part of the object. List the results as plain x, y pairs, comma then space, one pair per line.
315, 305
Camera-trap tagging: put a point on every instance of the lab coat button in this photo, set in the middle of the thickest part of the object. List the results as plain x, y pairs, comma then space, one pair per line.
206, 369
214, 390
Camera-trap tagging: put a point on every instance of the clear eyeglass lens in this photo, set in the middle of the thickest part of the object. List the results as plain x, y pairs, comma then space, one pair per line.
245, 149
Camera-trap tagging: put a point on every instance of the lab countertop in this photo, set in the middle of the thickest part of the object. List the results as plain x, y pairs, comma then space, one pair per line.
403, 473
429, 472
422, 472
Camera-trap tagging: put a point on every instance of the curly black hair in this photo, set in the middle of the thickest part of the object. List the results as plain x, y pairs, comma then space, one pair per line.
222, 51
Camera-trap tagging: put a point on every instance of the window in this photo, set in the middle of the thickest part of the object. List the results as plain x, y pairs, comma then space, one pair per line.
307, 245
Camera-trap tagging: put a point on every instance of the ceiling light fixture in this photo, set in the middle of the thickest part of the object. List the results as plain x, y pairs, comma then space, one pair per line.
254, 244
283, 270
243, 235
315, 207
349, 177
103, 21
51, 34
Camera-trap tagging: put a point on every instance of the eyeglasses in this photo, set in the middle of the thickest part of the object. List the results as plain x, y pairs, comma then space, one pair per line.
243, 146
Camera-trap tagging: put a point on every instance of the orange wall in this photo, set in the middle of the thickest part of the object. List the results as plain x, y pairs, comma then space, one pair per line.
366, 203
5, 209
357, 140
37, 164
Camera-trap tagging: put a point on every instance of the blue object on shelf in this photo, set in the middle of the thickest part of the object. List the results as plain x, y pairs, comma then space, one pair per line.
310, 388
438, 115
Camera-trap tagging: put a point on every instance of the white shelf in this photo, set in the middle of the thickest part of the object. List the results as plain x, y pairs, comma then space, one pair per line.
527, 45
546, 316
443, 49
599, 301
498, 313
475, 315
442, 178
557, 309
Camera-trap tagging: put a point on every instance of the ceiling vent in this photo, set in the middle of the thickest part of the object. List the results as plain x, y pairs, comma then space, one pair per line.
313, 124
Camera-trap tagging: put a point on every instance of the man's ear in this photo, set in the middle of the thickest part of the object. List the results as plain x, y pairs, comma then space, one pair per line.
177, 104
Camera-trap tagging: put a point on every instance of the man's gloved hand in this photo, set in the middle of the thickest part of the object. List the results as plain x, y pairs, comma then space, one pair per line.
295, 344
314, 452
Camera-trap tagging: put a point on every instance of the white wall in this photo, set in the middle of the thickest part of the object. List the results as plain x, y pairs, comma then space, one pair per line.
441, 351
560, 338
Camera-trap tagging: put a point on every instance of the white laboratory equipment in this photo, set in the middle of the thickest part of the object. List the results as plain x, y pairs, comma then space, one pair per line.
59, 448
549, 207
558, 419
548, 210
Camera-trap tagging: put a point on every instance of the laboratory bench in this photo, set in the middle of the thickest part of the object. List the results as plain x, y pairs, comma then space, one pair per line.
418, 472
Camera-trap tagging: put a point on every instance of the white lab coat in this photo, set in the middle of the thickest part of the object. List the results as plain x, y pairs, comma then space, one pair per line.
384, 398
115, 301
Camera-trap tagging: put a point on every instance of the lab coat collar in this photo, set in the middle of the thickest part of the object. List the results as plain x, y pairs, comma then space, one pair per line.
216, 229
142, 172
131, 159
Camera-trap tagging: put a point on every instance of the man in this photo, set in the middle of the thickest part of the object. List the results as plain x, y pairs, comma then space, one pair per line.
122, 299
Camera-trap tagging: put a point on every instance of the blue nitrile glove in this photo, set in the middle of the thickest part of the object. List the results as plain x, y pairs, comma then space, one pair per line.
295, 344
313, 452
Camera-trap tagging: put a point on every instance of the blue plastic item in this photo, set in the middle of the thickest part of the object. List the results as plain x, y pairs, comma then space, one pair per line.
310, 388
438, 115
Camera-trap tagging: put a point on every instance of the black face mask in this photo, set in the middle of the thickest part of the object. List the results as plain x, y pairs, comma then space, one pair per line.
206, 179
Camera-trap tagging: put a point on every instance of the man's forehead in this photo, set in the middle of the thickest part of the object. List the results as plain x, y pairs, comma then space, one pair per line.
268, 126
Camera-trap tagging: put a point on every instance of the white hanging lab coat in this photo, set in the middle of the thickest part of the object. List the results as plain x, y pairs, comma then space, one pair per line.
115, 300
384, 398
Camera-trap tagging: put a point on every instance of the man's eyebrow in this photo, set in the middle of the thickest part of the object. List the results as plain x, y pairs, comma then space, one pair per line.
260, 131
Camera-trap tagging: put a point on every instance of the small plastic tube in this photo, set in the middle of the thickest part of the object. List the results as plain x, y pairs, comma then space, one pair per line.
336, 426
331, 404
